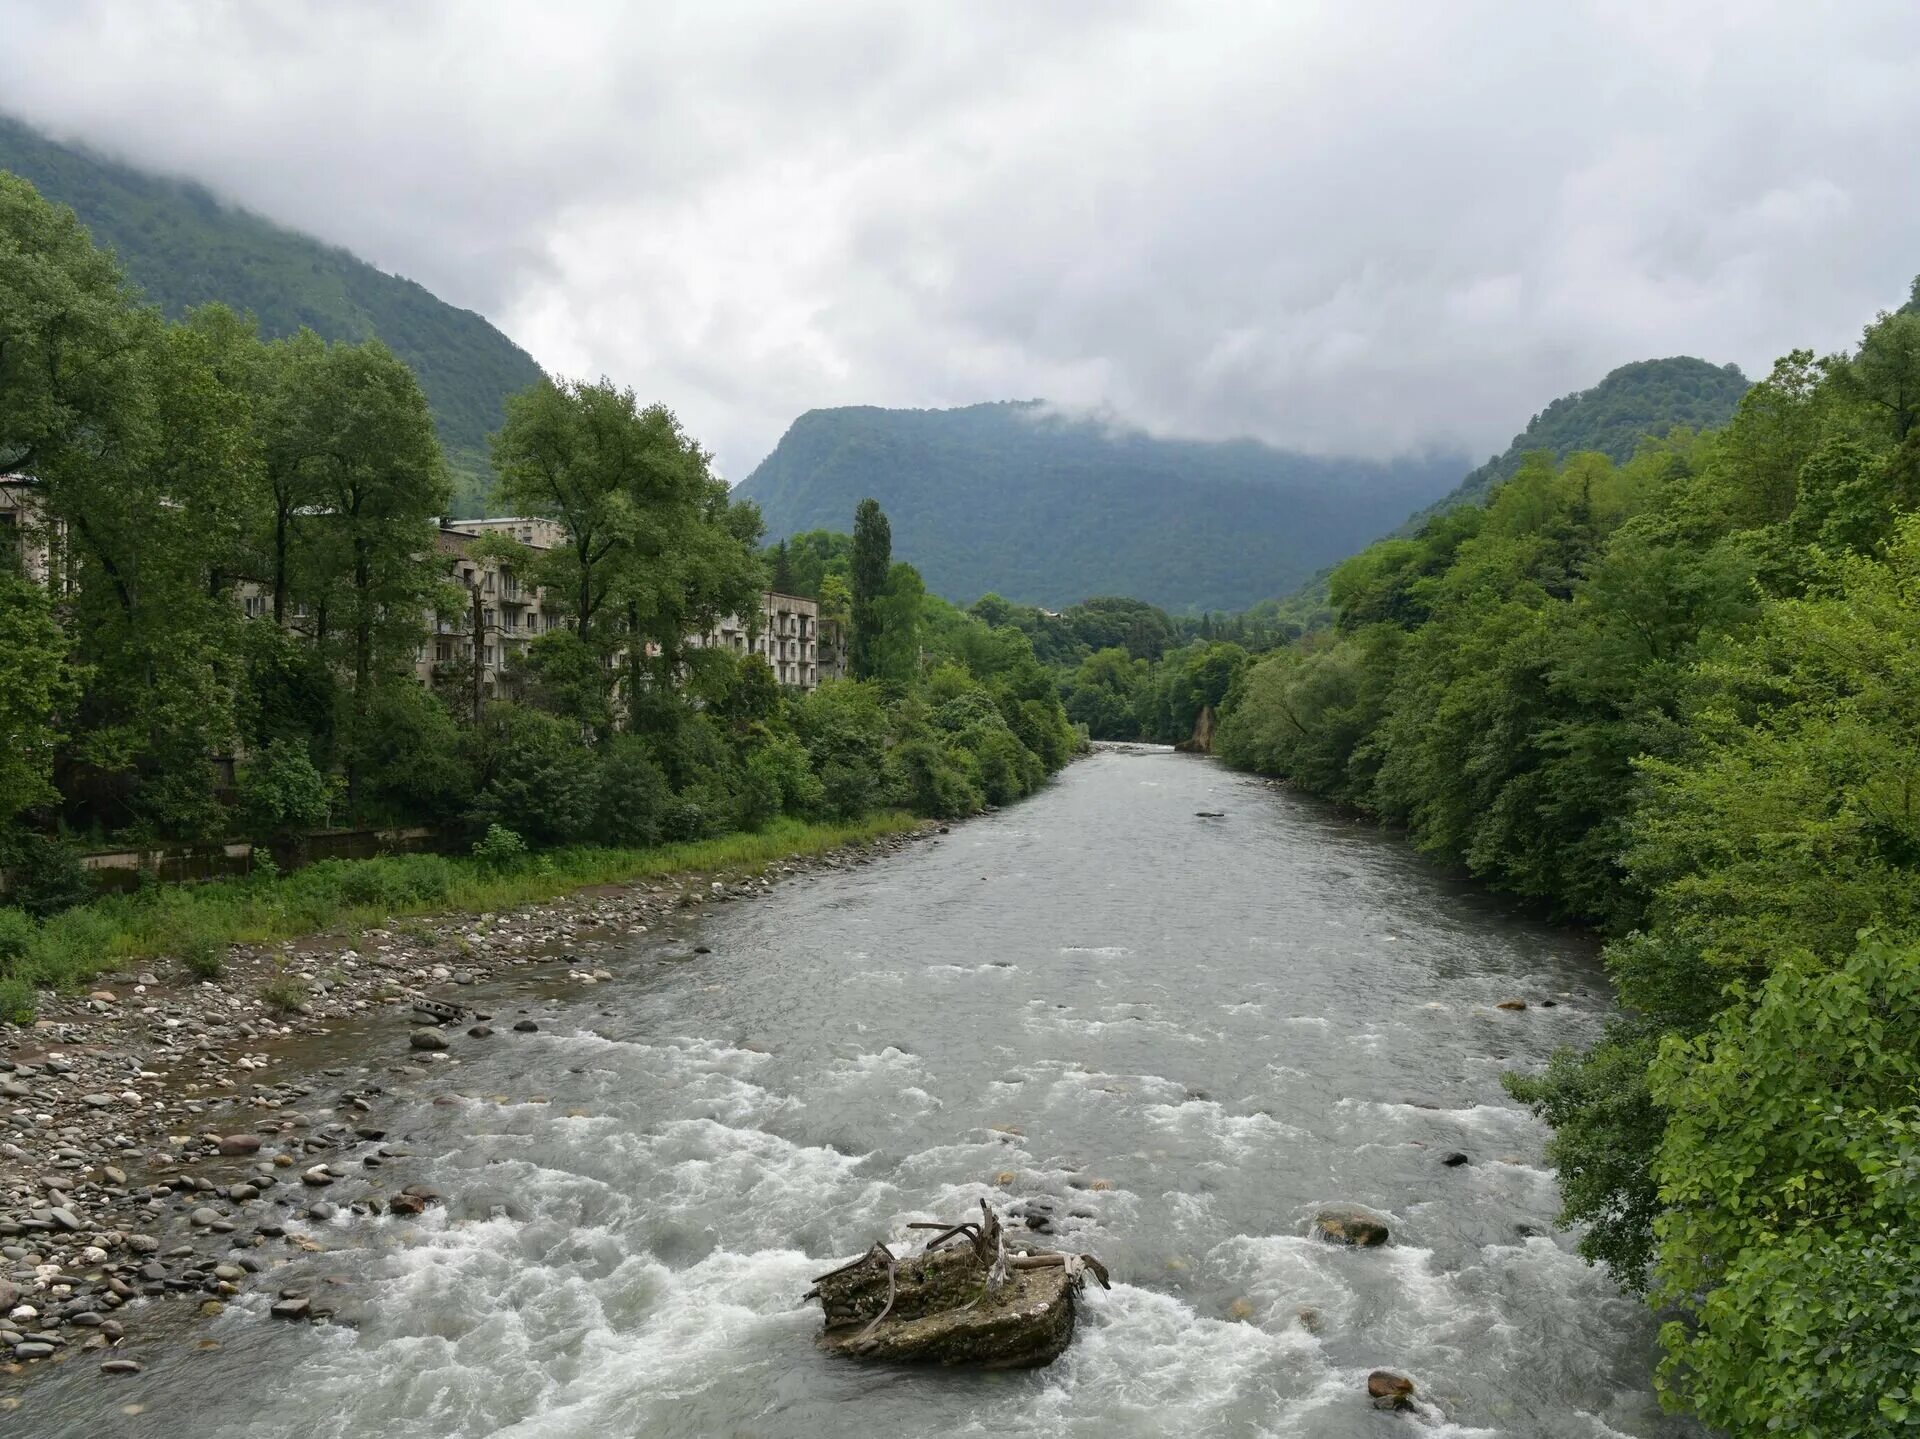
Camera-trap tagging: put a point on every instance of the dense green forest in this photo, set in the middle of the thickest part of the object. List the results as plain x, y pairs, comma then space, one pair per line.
243, 568
1047, 510
184, 247
1648, 397
1676, 696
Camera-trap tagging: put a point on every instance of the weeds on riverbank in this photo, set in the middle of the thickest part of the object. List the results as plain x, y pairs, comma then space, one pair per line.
194, 923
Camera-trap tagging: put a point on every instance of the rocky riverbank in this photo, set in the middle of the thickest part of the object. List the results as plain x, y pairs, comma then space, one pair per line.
167, 1144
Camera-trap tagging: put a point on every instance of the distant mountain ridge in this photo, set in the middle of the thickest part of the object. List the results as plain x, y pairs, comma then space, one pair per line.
1042, 508
1647, 397
183, 246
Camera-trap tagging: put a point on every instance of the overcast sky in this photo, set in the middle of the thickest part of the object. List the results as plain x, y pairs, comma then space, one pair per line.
1347, 227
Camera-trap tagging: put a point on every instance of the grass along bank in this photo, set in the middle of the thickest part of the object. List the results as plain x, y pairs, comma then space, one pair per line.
195, 923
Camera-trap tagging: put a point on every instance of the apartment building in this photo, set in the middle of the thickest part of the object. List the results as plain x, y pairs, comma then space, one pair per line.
503, 613
789, 635
29, 546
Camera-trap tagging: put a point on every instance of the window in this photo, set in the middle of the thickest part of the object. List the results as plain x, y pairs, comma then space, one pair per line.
443, 651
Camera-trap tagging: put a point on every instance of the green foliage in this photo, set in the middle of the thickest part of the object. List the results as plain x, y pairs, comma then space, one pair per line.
869, 567
19, 1002
286, 993
1648, 397
532, 775
185, 248
202, 952
35, 690
281, 793
44, 876
499, 848
1049, 509
1788, 1177
17, 933
632, 795
1680, 695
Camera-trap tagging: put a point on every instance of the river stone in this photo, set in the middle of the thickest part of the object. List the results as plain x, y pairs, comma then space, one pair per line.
294, 1308
1388, 1390
942, 1313
1345, 1224
204, 1216
1455, 1159
32, 1349
233, 1144
121, 1366
427, 1039
525, 1026
1511, 1004
66, 1218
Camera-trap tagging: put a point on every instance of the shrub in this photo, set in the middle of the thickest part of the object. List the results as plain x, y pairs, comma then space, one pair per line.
19, 1004
500, 848
45, 876
633, 795
932, 781
281, 793
70, 946
285, 992
17, 934
203, 953
780, 780
535, 775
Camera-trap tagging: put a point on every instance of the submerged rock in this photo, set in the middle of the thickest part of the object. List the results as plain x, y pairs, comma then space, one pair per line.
976, 1301
1345, 1224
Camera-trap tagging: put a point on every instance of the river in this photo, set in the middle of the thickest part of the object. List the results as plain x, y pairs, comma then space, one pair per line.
1186, 1033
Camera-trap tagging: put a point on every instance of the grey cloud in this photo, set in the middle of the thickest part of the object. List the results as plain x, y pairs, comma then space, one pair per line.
1358, 227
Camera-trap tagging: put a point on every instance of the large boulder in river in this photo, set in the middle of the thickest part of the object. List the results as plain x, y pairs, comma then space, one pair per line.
976, 1302
1348, 1224
1388, 1390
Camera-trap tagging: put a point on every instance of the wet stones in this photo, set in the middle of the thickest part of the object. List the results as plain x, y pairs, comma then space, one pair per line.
1351, 1226
1454, 1159
238, 1144
1511, 1004
121, 1366
429, 1040
295, 1306
1389, 1390
525, 1026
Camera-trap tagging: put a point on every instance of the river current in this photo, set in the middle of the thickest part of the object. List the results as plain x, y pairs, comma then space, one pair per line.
1185, 1034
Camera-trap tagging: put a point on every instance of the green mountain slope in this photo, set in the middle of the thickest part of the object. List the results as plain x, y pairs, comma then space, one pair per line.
1012, 498
185, 247
1648, 397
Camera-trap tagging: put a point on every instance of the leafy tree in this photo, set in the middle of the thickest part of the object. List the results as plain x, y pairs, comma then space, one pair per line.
36, 693
281, 793
870, 567
1787, 1174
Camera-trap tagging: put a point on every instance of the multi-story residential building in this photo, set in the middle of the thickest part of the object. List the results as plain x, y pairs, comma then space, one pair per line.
503, 613
789, 635
535, 531
29, 545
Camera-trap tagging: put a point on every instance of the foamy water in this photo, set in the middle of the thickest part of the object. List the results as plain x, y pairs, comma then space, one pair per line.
1183, 1036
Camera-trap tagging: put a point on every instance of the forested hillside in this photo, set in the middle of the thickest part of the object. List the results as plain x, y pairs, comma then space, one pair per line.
1648, 397
182, 247
1014, 499
1677, 697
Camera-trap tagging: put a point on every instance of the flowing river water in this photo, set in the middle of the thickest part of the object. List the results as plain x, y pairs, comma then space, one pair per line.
1184, 1033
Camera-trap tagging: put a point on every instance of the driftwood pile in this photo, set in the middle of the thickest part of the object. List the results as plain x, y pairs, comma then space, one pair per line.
969, 1297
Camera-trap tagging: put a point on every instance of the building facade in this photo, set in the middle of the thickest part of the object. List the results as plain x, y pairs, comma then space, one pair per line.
788, 633
503, 614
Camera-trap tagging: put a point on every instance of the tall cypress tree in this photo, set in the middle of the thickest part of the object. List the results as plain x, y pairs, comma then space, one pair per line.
782, 569
871, 561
